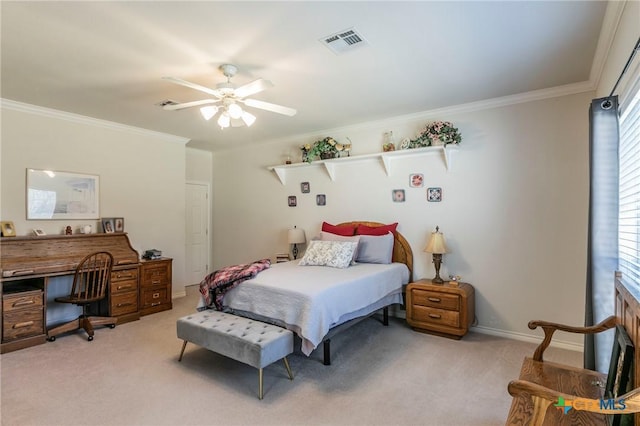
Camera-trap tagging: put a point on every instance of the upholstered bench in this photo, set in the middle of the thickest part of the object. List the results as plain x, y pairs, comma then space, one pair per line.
249, 341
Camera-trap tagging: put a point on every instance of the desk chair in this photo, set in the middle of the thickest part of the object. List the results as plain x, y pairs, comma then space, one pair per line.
90, 282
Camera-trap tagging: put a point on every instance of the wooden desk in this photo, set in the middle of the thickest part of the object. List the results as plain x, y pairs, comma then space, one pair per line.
28, 263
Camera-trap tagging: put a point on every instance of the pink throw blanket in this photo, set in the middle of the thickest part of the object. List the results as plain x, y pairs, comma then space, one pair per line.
216, 284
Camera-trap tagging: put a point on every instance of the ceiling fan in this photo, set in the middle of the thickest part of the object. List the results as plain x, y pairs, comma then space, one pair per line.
229, 97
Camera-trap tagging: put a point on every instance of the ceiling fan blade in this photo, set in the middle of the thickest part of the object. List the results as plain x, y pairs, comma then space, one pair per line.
270, 107
252, 88
190, 85
175, 107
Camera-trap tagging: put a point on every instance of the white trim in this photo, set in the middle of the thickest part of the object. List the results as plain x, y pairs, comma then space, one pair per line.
535, 95
610, 23
89, 121
556, 343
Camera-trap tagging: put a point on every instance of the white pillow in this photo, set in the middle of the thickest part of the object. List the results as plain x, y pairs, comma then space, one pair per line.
337, 254
375, 249
328, 236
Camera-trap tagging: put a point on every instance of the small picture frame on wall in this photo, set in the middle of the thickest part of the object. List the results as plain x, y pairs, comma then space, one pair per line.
305, 187
398, 195
108, 225
321, 200
118, 224
292, 201
7, 229
434, 194
416, 180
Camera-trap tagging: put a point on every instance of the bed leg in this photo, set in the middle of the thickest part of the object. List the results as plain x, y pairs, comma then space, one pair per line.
385, 316
327, 351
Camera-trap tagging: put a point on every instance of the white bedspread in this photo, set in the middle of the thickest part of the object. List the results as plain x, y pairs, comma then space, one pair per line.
309, 300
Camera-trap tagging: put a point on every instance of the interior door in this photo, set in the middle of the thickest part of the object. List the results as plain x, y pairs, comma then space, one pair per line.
197, 238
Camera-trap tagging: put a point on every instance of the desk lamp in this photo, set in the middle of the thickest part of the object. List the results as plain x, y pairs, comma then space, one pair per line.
437, 247
296, 236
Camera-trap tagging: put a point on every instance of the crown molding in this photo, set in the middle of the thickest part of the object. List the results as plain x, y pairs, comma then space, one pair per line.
610, 23
89, 121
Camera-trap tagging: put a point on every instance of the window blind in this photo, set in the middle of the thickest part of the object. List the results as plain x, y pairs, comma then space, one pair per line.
629, 191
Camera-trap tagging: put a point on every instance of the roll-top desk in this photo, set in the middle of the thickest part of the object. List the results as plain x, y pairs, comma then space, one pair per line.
27, 264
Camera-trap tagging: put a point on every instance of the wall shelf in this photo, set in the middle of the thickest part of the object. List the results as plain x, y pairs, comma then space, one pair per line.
386, 159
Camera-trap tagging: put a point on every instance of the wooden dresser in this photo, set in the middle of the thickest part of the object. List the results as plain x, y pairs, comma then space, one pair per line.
155, 285
28, 263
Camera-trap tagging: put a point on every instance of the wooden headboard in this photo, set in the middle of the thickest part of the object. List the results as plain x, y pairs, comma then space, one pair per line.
401, 249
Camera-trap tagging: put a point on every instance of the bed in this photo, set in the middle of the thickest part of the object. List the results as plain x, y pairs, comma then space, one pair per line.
316, 302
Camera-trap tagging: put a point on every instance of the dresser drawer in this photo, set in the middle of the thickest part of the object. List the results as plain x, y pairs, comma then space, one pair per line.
22, 300
124, 275
154, 297
155, 275
436, 316
124, 303
435, 299
22, 323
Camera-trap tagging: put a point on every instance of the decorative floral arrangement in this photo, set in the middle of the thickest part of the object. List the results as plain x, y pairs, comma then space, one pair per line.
323, 149
437, 133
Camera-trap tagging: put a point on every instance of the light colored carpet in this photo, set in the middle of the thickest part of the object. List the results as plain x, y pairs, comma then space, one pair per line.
380, 376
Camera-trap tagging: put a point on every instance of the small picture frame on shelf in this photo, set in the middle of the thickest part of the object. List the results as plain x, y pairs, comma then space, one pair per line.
292, 201
108, 225
38, 232
118, 224
434, 195
7, 229
321, 200
416, 180
305, 187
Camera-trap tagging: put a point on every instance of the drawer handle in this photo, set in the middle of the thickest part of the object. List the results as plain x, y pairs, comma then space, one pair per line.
156, 304
434, 299
23, 324
434, 316
23, 303
120, 287
155, 281
120, 305
124, 276
23, 272
156, 295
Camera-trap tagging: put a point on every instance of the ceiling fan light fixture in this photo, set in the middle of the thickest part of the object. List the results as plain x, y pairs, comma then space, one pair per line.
235, 111
224, 121
248, 118
208, 112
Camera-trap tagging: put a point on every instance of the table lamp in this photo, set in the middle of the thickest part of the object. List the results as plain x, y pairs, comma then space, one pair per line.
437, 247
296, 236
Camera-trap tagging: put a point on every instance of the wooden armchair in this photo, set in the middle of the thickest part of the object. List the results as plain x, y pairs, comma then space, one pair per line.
577, 394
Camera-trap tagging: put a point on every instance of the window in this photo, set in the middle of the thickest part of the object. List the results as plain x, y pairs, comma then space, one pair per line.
629, 189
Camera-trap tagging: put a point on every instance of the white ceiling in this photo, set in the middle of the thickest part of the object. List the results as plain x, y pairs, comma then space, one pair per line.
105, 59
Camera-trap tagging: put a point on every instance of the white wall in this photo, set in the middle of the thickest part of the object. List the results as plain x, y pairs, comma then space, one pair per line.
142, 175
514, 211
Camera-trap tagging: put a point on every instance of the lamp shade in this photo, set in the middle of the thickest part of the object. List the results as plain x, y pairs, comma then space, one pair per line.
296, 236
436, 243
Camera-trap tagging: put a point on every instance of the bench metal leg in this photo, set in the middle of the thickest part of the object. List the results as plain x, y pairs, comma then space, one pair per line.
184, 345
286, 364
260, 383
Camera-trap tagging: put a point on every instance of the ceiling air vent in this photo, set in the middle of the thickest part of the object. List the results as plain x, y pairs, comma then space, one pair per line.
344, 41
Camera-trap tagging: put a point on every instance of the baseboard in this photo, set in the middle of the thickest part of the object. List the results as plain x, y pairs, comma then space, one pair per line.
178, 295
556, 343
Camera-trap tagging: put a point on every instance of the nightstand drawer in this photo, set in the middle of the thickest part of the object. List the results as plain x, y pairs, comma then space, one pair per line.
435, 299
22, 300
123, 286
154, 297
436, 316
124, 275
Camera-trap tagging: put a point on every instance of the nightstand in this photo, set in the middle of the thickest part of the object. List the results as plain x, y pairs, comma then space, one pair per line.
441, 309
